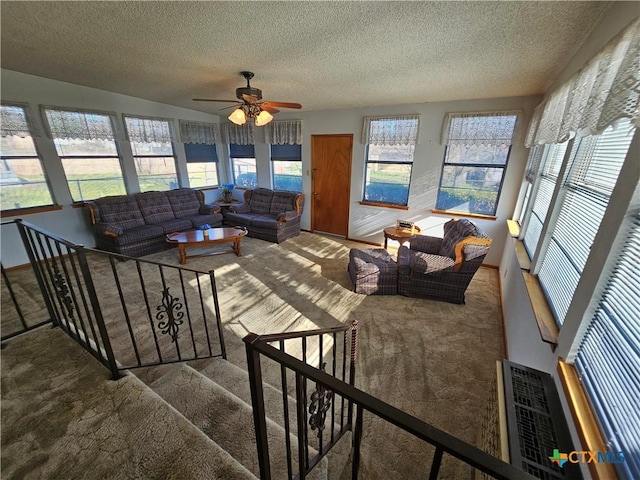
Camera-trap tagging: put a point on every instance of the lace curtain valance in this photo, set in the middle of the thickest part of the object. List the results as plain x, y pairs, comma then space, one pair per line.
14, 121
391, 130
284, 132
149, 129
79, 124
238, 134
481, 128
199, 132
605, 90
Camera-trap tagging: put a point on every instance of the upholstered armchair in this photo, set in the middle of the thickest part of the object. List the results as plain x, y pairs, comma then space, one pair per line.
442, 268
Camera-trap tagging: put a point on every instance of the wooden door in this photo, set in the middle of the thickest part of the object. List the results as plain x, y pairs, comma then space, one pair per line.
331, 183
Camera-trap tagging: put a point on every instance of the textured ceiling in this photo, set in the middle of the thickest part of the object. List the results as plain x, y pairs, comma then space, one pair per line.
324, 55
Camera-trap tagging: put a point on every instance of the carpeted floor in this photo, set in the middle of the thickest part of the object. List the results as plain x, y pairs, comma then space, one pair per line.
431, 359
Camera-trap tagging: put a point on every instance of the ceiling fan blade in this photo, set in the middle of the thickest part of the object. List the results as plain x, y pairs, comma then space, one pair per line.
269, 109
227, 108
282, 104
214, 100
250, 98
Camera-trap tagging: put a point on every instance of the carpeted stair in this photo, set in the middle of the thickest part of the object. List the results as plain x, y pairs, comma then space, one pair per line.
217, 400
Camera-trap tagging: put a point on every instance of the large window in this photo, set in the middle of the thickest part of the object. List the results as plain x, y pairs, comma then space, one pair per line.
475, 160
608, 359
243, 165
202, 164
85, 142
200, 141
390, 147
286, 163
22, 180
151, 142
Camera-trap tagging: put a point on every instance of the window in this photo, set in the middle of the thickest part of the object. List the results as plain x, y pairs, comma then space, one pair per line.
85, 142
475, 160
202, 164
200, 149
22, 180
151, 142
595, 164
390, 147
609, 357
243, 165
286, 162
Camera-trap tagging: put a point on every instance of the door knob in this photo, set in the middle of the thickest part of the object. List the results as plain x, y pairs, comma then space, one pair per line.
315, 193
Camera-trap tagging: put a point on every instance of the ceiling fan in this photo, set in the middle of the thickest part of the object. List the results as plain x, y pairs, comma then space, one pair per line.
251, 105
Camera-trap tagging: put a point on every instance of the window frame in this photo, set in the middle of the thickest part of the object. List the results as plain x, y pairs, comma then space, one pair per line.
232, 160
447, 130
215, 162
29, 125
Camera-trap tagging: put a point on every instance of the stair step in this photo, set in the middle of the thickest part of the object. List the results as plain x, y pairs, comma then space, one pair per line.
81, 423
228, 420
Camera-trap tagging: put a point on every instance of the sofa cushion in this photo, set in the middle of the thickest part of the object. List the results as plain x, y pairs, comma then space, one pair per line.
424, 263
141, 232
155, 207
184, 202
454, 232
282, 202
261, 200
242, 218
265, 221
175, 225
120, 210
215, 220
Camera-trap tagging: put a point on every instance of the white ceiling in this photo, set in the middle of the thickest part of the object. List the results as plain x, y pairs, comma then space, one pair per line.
324, 55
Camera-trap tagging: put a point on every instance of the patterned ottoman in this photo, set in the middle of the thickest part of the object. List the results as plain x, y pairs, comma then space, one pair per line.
373, 272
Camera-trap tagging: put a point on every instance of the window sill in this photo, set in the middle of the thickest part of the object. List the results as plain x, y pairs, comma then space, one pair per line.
584, 420
464, 214
207, 188
544, 317
385, 205
29, 211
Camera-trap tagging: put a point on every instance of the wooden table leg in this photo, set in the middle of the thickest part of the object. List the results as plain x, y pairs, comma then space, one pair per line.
183, 254
385, 241
236, 247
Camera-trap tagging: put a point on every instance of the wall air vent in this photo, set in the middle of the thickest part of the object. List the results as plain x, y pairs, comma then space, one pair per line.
536, 424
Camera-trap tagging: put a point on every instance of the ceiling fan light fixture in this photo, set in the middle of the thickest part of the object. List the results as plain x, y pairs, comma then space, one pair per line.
263, 118
238, 117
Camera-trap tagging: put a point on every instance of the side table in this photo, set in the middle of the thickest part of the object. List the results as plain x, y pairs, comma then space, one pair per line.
401, 235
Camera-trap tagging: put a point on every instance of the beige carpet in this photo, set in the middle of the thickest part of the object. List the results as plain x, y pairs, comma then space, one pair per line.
432, 359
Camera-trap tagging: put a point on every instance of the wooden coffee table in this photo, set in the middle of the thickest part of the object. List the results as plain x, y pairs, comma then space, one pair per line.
400, 235
203, 238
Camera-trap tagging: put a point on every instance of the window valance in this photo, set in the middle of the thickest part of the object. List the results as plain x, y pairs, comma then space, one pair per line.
480, 128
199, 132
604, 91
391, 130
284, 132
14, 121
149, 129
238, 134
79, 124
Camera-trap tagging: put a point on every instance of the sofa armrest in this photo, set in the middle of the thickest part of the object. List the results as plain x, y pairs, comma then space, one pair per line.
242, 208
286, 216
404, 260
426, 244
209, 209
107, 229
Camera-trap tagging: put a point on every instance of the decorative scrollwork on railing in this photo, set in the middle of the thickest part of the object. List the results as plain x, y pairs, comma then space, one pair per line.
320, 403
62, 290
169, 315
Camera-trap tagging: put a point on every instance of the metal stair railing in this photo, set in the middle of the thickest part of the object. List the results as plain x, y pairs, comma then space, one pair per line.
178, 319
257, 347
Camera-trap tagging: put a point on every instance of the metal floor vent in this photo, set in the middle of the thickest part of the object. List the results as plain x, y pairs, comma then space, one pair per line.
536, 423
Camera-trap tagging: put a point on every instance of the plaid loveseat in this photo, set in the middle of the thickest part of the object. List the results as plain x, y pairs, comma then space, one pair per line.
442, 268
271, 215
137, 225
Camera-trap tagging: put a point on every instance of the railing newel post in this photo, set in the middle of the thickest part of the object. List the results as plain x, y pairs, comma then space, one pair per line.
257, 402
352, 366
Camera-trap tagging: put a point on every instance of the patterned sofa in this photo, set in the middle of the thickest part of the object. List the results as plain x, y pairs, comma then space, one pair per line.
442, 268
272, 215
137, 224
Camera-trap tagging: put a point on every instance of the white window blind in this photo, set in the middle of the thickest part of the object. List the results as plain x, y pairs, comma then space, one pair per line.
553, 157
608, 360
586, 191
